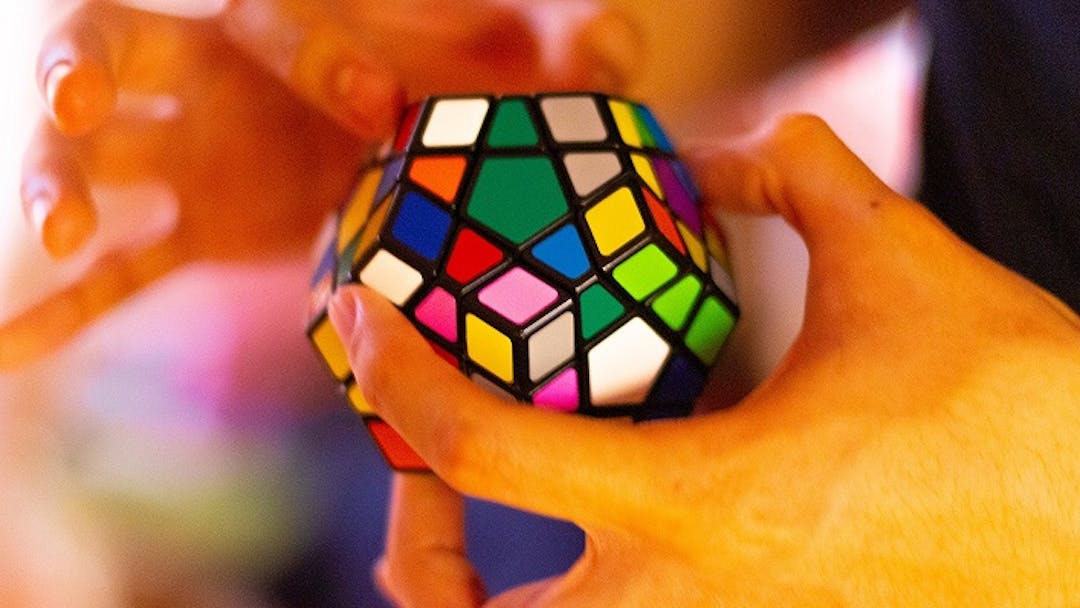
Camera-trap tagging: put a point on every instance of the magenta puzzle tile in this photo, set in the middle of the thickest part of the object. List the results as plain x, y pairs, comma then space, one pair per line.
517, 295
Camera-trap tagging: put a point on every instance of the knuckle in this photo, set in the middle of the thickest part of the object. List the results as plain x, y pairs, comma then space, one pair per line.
372, 373
800, 126
453, 451
797, 137
387, 576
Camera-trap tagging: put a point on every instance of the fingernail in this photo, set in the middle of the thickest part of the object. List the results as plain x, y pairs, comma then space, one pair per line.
38, 211
57, 73
64, 225
79, 97
371, 97
344, 311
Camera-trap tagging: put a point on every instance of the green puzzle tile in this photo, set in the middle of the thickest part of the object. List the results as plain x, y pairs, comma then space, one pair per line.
712, 323
517, 197
645, 272
512, 126
598, 310
647, 139
674, 305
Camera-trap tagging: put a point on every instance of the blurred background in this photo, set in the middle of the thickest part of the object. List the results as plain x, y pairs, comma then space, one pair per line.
188, 450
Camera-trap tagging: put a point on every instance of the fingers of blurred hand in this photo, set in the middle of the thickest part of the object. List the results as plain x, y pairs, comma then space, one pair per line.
503, 46
58, 173
425, 562
56, 320
55, 196
307, 46
445, 46
482, 445
585, 44
75, 71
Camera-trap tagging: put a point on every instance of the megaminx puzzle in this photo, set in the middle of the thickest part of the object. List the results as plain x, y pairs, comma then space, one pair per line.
551, 247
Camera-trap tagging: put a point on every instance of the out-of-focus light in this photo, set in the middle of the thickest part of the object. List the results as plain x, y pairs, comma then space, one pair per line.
180, 8
21, 26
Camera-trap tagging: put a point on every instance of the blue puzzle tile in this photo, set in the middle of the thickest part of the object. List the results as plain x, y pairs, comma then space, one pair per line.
327, 264
563, 252
421, 225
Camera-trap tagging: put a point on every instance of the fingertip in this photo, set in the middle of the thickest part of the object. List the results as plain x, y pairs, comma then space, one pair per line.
64, 225
74, 68
733, 179
611, 48
372, 331
794, 166
343, 310
368, 99
55, 196
80, 95
777, 167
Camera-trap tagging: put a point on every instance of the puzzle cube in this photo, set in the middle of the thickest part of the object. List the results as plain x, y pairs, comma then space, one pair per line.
551, 247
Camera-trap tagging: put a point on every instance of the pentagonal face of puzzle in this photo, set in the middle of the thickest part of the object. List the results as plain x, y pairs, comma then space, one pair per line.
550, 247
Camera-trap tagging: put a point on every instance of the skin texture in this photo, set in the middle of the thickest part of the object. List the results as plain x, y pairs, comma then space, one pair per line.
914, 448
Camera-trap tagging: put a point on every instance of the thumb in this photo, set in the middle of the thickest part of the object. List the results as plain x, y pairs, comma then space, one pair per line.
403, 380
479, 444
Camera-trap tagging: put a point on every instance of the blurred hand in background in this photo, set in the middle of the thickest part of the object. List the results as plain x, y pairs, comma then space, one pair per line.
254, 120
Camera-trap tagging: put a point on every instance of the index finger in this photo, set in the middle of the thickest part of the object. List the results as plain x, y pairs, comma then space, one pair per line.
796, 168
504, 46
75, 71
46, 325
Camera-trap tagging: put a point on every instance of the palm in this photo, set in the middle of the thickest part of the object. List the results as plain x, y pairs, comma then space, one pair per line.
250, 190
253, 168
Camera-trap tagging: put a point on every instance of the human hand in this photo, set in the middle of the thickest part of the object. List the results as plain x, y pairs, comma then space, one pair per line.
915, 447
221, 111
424, 561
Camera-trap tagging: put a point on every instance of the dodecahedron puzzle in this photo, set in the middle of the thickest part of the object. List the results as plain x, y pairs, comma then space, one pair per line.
551, 247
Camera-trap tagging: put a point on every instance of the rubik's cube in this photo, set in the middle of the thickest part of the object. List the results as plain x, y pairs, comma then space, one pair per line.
551, 247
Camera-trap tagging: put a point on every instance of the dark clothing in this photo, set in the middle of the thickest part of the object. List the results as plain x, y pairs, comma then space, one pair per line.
1002, 132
